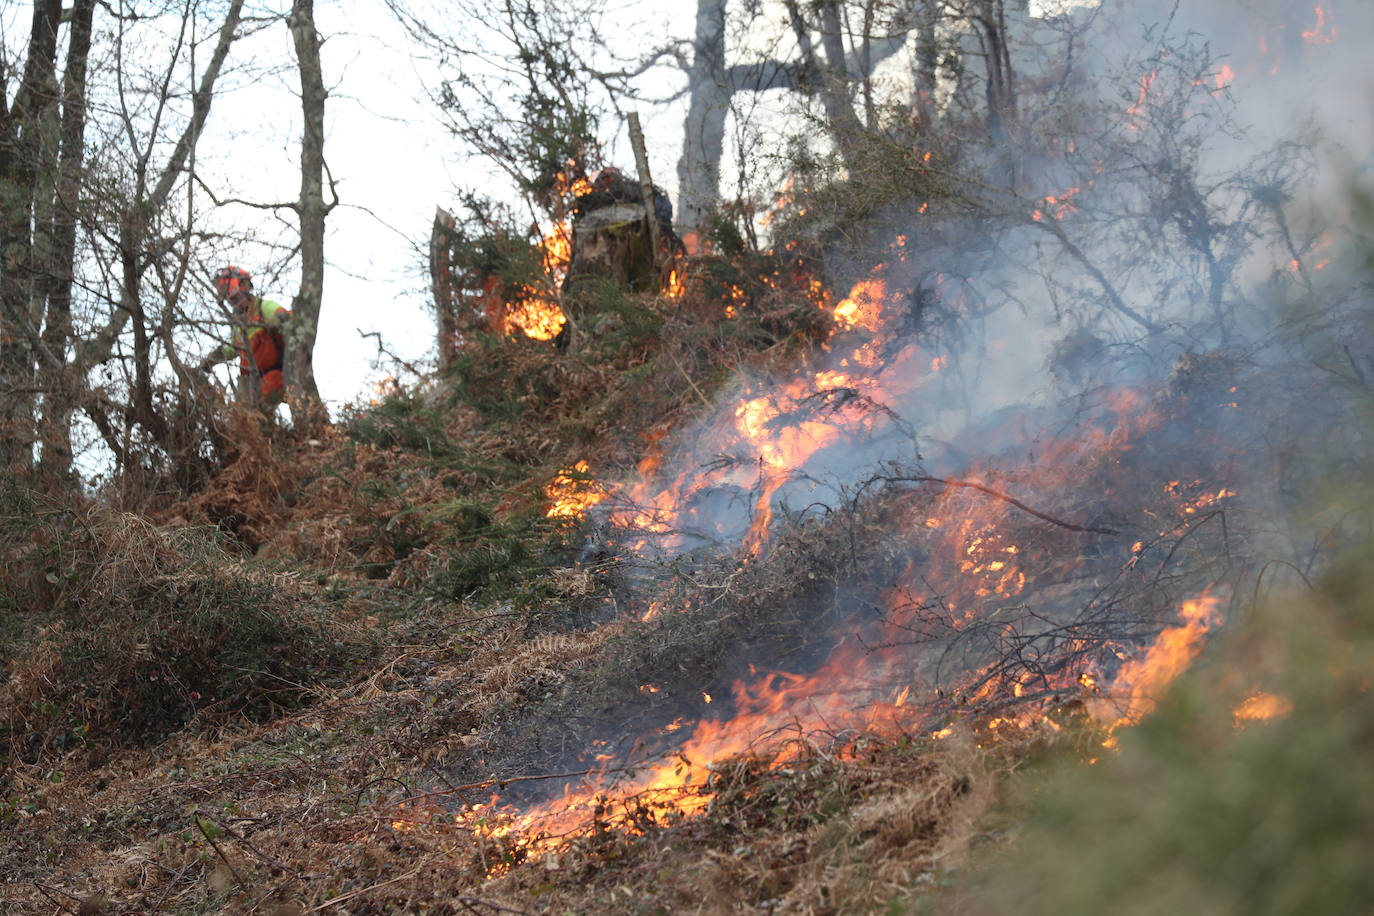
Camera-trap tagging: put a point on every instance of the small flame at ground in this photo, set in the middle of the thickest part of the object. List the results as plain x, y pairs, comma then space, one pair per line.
572, 493
1260, 707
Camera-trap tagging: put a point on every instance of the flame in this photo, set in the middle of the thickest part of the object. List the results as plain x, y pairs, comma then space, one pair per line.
572, 493
1321, 33
1190, 505
1261, 706
863, 306
782, 450
534, 312
1057, 205
675, 288
536, 315
1135, 690
538, 319
384, 388
1133, 113
975, 571
970, 564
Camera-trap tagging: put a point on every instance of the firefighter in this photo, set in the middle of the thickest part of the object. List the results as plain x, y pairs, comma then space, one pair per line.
261, 320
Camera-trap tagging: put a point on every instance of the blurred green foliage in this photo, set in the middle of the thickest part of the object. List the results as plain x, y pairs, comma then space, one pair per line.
1204, 812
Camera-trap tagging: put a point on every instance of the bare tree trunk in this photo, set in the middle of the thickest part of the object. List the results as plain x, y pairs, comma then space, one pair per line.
708, 94
62, 387
26, 158
1001, 86
311, 210
98, 347
711, 84
835, 95
927, 63
444, 288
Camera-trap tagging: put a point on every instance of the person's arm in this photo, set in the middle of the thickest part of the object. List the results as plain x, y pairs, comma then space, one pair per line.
221, 354
274, 315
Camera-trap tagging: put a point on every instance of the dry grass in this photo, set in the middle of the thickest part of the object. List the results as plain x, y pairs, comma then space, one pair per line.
153, 627
324, 809
365, 799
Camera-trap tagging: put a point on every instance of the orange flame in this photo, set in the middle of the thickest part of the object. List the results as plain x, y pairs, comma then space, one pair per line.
572, 493
1321, 33
535, 314
675, 288
1261, 707
1057, 205
863, 306
974, 569
1133, 113
1135, 690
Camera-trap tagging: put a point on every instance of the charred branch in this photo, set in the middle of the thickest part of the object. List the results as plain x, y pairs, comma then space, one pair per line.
996, 494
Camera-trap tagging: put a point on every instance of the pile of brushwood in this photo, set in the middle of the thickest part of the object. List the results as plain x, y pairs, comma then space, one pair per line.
293, 690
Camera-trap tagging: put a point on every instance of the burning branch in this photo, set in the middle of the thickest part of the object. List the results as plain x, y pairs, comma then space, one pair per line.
983, 488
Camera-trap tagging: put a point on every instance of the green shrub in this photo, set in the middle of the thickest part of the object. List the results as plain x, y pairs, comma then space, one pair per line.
1205, 812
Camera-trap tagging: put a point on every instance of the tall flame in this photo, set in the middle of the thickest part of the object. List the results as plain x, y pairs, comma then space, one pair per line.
1139, 684
535, 314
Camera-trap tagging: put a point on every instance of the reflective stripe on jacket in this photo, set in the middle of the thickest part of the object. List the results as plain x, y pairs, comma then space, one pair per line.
265, 339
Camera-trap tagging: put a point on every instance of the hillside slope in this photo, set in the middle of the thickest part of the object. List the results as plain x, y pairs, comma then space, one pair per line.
655, 626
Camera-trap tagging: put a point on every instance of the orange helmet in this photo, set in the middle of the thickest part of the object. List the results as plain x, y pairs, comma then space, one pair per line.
231, 280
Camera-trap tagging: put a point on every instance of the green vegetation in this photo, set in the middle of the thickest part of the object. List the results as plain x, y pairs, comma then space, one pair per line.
1204, 811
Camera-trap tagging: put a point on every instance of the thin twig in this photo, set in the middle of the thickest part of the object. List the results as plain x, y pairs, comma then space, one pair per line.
44, 890
983, 488
690, 382
272, 890
200, 825
245, 841
1260, 577
469, 902
371, 887
502, 783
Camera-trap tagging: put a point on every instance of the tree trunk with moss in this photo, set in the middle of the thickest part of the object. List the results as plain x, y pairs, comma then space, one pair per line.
311, 209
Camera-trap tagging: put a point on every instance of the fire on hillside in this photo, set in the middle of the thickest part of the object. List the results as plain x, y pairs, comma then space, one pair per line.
966, 634
1010, 562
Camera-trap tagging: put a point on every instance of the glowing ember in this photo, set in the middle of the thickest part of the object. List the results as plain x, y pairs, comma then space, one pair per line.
1057, 206
1133, 113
